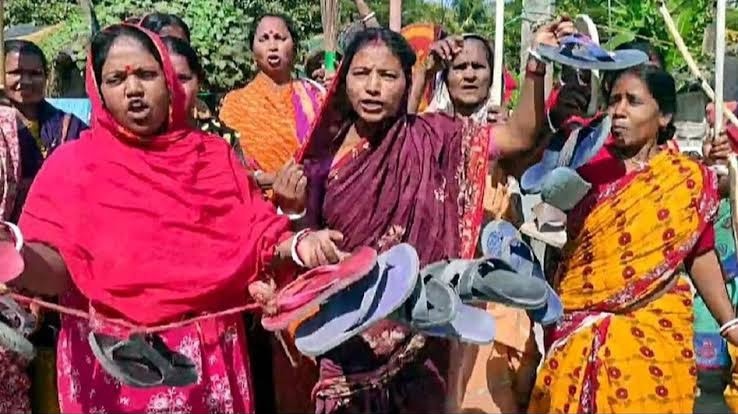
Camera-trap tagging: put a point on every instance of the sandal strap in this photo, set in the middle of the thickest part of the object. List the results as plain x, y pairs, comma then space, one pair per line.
594, 53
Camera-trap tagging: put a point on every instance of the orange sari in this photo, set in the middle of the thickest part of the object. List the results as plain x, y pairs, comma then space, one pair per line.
272, 120
625, 344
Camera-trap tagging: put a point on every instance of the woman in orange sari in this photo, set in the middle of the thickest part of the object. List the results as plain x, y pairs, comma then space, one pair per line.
274, 112
625, 343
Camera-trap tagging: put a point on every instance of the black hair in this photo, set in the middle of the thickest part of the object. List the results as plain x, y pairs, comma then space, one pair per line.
102, 41
647, 48
177, 46
661, 86
287, 22
26, 47
393, 40
157, 21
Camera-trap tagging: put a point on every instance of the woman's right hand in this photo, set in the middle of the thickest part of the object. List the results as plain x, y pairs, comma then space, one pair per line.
290, 188
443, 51
716, 152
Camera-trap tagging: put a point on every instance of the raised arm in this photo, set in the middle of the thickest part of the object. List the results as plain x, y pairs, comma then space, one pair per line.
366, 15
520, 133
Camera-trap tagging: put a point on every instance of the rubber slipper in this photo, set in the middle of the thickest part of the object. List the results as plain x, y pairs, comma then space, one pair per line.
579, 51
571, 150
512, 249
368, 301
432, 303
564, 188
302, 296
15, 325
10, 257
549, 225
142, 361
471, 325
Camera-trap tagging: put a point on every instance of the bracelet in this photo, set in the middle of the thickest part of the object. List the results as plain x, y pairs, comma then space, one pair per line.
17, 235
728, 325
732, 327
292, 217
296, 239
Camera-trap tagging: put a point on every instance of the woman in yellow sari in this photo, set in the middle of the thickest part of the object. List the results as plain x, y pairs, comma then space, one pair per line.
625, 343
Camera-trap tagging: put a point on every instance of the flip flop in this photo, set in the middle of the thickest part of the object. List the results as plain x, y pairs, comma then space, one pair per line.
549, 225
510, 247
564, 188
572, 151
15, 325
142, 362
299, 298
355, 309
471, 325
432, 303
10, 257
447, 316
488, 280
579, 51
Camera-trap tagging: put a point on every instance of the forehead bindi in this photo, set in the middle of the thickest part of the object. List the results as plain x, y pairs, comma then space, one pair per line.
271, 26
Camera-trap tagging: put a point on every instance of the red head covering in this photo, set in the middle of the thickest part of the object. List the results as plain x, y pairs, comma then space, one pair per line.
152, 230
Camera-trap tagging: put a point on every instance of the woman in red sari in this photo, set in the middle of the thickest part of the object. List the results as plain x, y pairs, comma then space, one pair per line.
159, 222
385, 177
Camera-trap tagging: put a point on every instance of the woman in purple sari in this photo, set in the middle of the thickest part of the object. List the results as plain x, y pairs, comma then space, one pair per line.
384, 177
40, 126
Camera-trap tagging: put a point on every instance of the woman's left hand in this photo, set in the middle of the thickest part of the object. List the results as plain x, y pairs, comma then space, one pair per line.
290, 188
318, 248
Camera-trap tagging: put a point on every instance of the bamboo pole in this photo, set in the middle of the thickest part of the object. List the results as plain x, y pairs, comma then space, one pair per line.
706, 87
498, 53
395, 22
719, 65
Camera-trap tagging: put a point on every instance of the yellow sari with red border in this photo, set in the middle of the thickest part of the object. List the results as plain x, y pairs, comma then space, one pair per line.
625, 343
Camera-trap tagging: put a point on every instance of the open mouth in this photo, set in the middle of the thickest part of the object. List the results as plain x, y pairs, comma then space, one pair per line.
371, 105
137, 108
274, 60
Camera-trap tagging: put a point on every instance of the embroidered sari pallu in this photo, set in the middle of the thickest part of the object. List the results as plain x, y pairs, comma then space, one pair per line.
625, 344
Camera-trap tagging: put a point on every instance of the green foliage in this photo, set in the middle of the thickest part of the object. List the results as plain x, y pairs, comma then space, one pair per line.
39, 13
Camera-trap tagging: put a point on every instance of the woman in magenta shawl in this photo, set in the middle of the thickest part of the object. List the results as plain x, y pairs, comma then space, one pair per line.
384, 177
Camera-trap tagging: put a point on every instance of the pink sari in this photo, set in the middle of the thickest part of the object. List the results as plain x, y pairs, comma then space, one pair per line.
196, 234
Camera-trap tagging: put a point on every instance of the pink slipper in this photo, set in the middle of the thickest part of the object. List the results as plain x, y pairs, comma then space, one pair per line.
303, 295
11, 261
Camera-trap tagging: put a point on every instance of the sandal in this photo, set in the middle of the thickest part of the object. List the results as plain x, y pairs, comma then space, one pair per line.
371, 299
579, 51
509, 246
302, 296
549, 225
142, 361
15, 325
10, 257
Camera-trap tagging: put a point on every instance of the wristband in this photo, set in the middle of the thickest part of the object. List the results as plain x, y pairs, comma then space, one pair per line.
292, 217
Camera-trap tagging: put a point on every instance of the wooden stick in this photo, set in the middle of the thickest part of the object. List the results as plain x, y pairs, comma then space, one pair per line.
498, 53
395, 22
691, 63
719, 66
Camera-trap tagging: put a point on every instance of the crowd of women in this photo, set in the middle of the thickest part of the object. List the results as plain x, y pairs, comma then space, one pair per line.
163, 208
